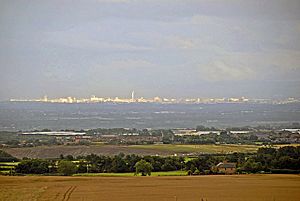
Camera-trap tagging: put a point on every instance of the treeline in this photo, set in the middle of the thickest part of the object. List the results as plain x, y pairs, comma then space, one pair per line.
5, 157
269, 160
98, 164
283, 160
294, 125
214, 138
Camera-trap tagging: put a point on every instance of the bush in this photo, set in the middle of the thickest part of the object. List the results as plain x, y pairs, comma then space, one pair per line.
143, 167
196, 172
66, 168
189, 172
284, 171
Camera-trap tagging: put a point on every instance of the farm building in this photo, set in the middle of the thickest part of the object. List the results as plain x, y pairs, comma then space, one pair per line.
226, 168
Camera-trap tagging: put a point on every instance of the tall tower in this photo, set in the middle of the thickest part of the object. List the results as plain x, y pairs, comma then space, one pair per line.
132, 96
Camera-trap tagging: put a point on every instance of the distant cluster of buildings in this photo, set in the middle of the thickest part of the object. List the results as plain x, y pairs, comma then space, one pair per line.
70, 137
129, 139
193, 132
133, 99
55, 133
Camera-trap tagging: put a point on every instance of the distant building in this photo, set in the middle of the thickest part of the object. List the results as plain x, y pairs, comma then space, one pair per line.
79, 139
132, 97
292, 130
226, 168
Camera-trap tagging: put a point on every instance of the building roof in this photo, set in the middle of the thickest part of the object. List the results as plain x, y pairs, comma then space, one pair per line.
226, 165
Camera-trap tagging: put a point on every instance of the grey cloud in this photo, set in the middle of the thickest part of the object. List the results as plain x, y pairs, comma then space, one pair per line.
69, 40
166, 48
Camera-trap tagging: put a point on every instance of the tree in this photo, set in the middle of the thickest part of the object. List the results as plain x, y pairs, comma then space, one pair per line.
266, 150
284, 162
118, 164
202, 128
143, 167
168, 165
33, 166
251, 166
82, 167
66, 167
69, 158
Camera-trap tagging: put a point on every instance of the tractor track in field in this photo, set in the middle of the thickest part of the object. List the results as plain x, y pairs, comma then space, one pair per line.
68, 193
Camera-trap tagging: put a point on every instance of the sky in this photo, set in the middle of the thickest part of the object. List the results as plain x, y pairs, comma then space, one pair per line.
167, 48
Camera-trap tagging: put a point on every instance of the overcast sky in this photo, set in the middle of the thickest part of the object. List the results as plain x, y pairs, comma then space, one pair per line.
169, 48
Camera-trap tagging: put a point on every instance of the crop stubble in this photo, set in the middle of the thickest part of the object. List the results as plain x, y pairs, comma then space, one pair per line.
189, 188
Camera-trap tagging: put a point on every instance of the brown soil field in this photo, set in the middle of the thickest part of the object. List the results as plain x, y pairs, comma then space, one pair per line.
188, 188
162, 150
55, 151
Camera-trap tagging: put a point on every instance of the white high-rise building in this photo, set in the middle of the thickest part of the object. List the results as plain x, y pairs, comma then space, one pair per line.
132, 96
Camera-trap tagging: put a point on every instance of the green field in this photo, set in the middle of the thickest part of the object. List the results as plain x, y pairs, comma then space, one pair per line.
210, 149
130, 174
9, 163
6, 167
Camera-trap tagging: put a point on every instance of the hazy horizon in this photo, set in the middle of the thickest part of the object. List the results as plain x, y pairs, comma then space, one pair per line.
37, 116
179, 48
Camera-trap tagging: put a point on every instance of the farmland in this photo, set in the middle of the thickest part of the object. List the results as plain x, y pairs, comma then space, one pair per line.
212, 188
7, 167
130, 174
210, 149
102, 149
55, 151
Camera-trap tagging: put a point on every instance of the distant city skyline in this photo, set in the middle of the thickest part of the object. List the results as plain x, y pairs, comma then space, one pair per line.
156, 99
165, 48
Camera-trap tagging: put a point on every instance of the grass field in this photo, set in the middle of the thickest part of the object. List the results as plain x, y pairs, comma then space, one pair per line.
211, 149
9, 163
206, 148
190, 188
6, 167
153, 174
